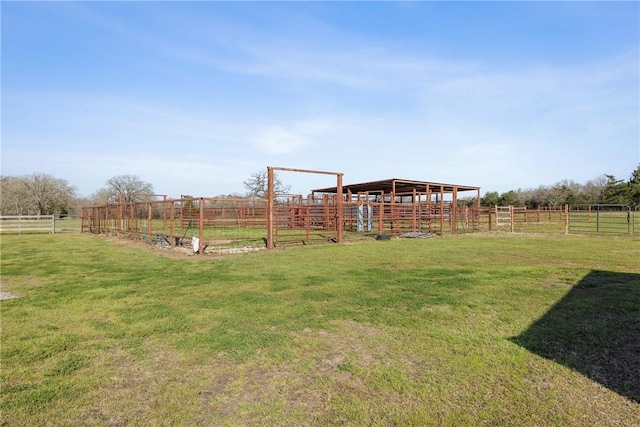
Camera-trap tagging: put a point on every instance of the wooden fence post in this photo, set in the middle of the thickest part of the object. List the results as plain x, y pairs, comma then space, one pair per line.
340, 209
511, 218
270, 207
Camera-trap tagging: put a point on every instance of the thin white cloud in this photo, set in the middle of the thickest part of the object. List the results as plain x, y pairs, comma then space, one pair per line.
335, 57
290, 138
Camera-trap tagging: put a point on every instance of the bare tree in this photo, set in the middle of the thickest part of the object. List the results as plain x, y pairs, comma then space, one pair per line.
593, 190
257, 185
12, 196
563, 192
37, 193
130, 187
100, 197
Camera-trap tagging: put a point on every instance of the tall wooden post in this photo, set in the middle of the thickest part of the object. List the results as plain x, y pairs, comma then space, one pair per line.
339, 207
270, 207
511, 218
394, 222
172, 242
132, 214
442, 210
478, 207
490, 219
120, 222
454, 210
164, 211
149, 221
429, 206
414, 211
381, 214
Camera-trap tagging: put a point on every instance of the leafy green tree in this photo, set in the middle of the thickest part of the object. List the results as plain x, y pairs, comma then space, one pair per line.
510, 198
469, 202
490, 198
633, 189
534, 198
604, 189
615, 191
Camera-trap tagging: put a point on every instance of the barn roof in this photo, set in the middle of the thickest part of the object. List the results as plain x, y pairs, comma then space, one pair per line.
398, 186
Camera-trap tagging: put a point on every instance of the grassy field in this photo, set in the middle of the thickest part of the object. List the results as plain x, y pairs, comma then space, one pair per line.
464, 330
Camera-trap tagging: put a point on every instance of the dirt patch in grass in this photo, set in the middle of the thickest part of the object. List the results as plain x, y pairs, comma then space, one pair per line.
300, 388
7, 295
6, 292
351, 340
213, 248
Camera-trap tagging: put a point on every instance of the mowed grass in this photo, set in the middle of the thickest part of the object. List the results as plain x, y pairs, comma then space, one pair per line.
443, 331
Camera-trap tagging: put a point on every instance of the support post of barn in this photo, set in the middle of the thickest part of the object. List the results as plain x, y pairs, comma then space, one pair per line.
454, 210
428, 189
414, 211
442, 210
381, 214
478, 207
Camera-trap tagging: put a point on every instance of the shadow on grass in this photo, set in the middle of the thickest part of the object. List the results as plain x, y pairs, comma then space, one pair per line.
594, 329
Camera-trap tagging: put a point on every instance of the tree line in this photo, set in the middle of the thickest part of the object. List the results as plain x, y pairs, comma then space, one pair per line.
42, 194
604, 189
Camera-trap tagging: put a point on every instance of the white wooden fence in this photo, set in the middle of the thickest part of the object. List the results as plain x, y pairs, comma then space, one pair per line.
18, 224
504, 217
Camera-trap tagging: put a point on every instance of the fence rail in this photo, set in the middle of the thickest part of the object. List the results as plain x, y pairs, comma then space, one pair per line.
19, 224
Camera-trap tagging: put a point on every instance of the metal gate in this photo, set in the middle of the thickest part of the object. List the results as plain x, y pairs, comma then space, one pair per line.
605, 219
301, 220
304, 223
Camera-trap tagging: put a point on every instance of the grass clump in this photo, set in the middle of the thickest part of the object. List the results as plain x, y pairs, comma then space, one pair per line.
506, 330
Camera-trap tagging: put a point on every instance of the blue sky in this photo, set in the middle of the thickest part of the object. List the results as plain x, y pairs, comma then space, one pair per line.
194, 97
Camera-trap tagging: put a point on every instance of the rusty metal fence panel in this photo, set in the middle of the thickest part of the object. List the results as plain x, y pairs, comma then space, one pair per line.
227, 225
305, 221
221, 225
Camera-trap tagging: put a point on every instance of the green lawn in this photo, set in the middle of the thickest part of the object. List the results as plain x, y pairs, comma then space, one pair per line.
463, 330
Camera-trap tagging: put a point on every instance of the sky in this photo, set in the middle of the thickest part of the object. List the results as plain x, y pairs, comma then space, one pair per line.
195, 97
